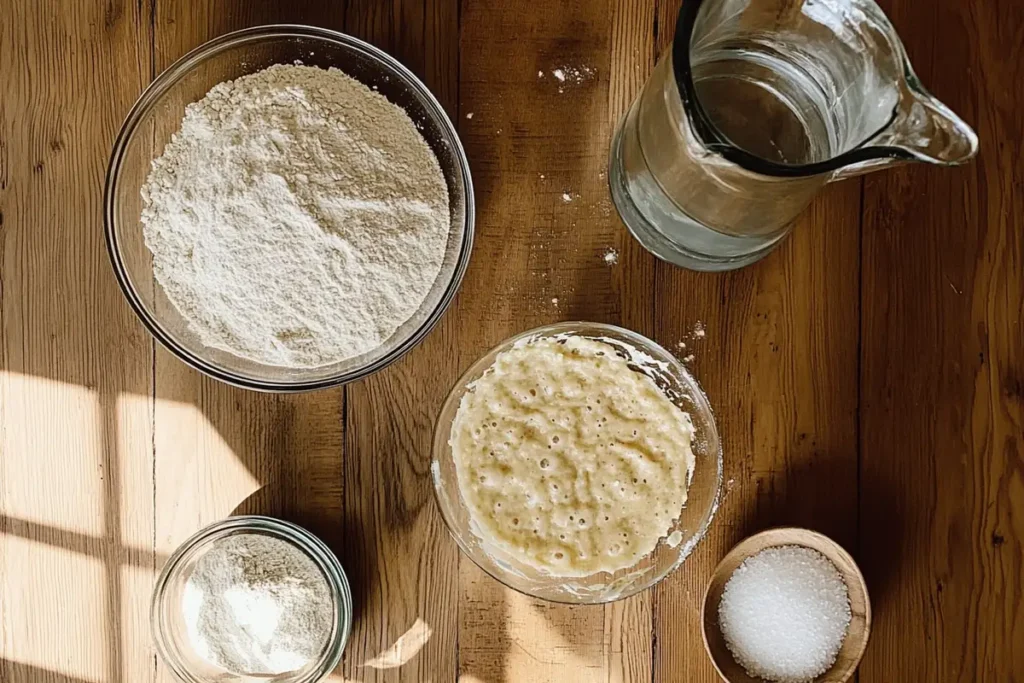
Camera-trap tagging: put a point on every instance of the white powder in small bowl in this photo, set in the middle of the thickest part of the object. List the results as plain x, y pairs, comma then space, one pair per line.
256, 605
784, 614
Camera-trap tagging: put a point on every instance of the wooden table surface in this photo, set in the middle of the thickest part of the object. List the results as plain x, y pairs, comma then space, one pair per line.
868, 376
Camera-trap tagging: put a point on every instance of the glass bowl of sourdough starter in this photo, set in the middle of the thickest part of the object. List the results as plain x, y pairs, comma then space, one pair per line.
675, 382
158, 115
170, 626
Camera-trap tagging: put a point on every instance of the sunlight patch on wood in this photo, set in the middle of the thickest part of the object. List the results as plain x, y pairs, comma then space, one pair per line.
133, 498
137, 650
405, 648
51, 440
48, 623
553, 643
201, 479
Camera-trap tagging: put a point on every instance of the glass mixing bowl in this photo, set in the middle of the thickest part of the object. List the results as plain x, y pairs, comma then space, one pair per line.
157, 116
702, 499
167, 621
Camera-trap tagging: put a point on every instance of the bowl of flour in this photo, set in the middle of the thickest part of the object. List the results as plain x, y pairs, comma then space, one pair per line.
288, 208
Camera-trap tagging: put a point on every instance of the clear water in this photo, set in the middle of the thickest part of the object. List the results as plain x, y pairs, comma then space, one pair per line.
760, 102
766, 104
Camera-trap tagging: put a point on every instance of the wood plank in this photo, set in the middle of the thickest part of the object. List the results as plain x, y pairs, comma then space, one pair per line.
629, 624
942, 418
779, 364
221, 450
76, 487
89, 507
383, 494
405, 565
538, 147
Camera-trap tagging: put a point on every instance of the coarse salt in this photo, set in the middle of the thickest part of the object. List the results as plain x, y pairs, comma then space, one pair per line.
784, 614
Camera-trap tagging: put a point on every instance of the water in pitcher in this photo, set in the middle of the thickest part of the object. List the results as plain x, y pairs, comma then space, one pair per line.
741, 91
758, 105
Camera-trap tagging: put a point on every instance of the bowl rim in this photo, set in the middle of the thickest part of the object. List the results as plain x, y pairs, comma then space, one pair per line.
152, 94
302, 538
457, 390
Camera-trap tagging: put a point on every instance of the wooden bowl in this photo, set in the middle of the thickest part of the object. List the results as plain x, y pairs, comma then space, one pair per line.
860, 608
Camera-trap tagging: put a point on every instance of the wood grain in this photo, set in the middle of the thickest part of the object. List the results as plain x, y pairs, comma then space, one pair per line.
779, 364
406, 567
538, 147
76, 480
221, 450
867, 377
942, 368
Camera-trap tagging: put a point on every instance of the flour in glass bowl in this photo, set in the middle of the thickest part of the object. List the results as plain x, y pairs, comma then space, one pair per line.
298, 218
257, 606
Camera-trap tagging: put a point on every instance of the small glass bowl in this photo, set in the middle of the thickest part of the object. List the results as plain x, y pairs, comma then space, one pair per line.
166, 616
702, 498
157, 116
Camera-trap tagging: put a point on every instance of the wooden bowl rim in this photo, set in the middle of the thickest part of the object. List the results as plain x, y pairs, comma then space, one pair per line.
742, 550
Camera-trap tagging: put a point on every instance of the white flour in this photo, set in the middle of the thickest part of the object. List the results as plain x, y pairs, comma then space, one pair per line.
297, 219
256, 605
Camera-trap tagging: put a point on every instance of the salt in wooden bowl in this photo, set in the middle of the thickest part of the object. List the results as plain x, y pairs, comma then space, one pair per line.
857, 633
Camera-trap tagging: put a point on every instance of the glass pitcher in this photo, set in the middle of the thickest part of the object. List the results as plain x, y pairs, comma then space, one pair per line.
759, 104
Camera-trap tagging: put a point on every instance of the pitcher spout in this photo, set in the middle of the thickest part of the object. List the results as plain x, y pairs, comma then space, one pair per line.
929, 131
922, 129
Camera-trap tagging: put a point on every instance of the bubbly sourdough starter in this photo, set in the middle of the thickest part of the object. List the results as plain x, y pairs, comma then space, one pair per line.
569, 461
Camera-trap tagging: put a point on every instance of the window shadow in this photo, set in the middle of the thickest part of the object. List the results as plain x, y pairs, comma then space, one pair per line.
77, 329
16, 672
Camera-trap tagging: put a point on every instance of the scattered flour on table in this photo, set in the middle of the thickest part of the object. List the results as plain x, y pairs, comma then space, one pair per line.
297, 218
257, 605
572, 75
